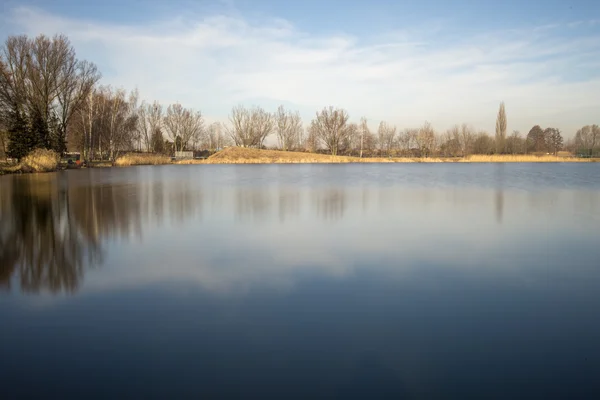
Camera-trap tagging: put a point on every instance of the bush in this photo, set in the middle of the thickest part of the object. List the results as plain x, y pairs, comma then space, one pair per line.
40, 160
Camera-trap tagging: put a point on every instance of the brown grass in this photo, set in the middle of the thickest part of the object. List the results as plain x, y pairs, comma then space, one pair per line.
141, 159
39, 160
237, 155
525, 158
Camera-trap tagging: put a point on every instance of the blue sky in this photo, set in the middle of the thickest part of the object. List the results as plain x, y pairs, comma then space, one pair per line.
403, 62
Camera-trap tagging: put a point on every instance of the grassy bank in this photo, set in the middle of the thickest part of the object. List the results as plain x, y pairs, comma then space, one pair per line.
236, 155
43, 160
507, 158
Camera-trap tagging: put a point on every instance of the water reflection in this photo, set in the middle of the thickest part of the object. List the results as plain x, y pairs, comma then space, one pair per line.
299, 282
253, 204
499, 191
41, 237
54, 227
330, 204
289, 204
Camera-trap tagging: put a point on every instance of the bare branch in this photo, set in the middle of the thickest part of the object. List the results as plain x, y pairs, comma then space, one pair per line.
331, 127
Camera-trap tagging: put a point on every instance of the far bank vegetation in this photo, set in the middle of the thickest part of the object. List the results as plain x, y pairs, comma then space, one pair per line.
51, 100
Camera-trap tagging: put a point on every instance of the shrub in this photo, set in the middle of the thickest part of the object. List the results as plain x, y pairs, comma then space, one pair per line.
40, 160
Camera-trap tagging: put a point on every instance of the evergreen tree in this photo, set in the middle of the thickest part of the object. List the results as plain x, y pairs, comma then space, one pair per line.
157, 141
21, 137
39, 129
56, 135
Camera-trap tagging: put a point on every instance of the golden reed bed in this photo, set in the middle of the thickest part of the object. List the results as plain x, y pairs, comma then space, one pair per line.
235, 155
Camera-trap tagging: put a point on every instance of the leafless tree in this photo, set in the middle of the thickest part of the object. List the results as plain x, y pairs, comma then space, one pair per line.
515, 144
3, 139
588, 138
331, 127
466, 138
451, 142
425, 139
386, 135
311, 141
215, 138
13, 75
79, 79
87, 117
483, 143
364, 133
42, 77
351, 140
149, 120
501, 129
120, 120
250, 127
289, 128
182, 125
194, 128
407, 140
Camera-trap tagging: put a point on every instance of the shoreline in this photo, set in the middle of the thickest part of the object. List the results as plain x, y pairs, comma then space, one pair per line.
235, 155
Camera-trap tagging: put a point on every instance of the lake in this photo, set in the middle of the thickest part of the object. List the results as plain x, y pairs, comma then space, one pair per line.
400, 281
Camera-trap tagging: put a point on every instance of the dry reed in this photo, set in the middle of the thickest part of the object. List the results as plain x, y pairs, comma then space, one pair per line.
40, 160
141, 159
507, 158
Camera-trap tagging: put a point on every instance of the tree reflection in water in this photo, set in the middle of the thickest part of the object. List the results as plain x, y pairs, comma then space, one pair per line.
53, 226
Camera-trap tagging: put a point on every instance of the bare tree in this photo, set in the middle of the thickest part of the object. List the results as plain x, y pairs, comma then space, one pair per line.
351, 139
117, 121
154, 119
13, 76
386, 135
425, 139
501, 129
214, 136
407, 140
250, 127
144, 132
451, 142
193, 128
182, 125
331, 127
79, 79
515, 144
87, 116
588, 138
364, 132
483, 143
289, 128
3, 139
311, 141
466, 138
41, 80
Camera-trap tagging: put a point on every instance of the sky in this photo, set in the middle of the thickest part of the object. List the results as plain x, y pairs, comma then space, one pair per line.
400, 62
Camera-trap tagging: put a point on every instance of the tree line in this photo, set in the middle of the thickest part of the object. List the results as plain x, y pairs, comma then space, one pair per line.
51, 99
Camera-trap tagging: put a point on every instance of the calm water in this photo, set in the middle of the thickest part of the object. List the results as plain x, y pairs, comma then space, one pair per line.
302, 281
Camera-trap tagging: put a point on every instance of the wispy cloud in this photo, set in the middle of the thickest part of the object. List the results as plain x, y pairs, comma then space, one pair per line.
547, 75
